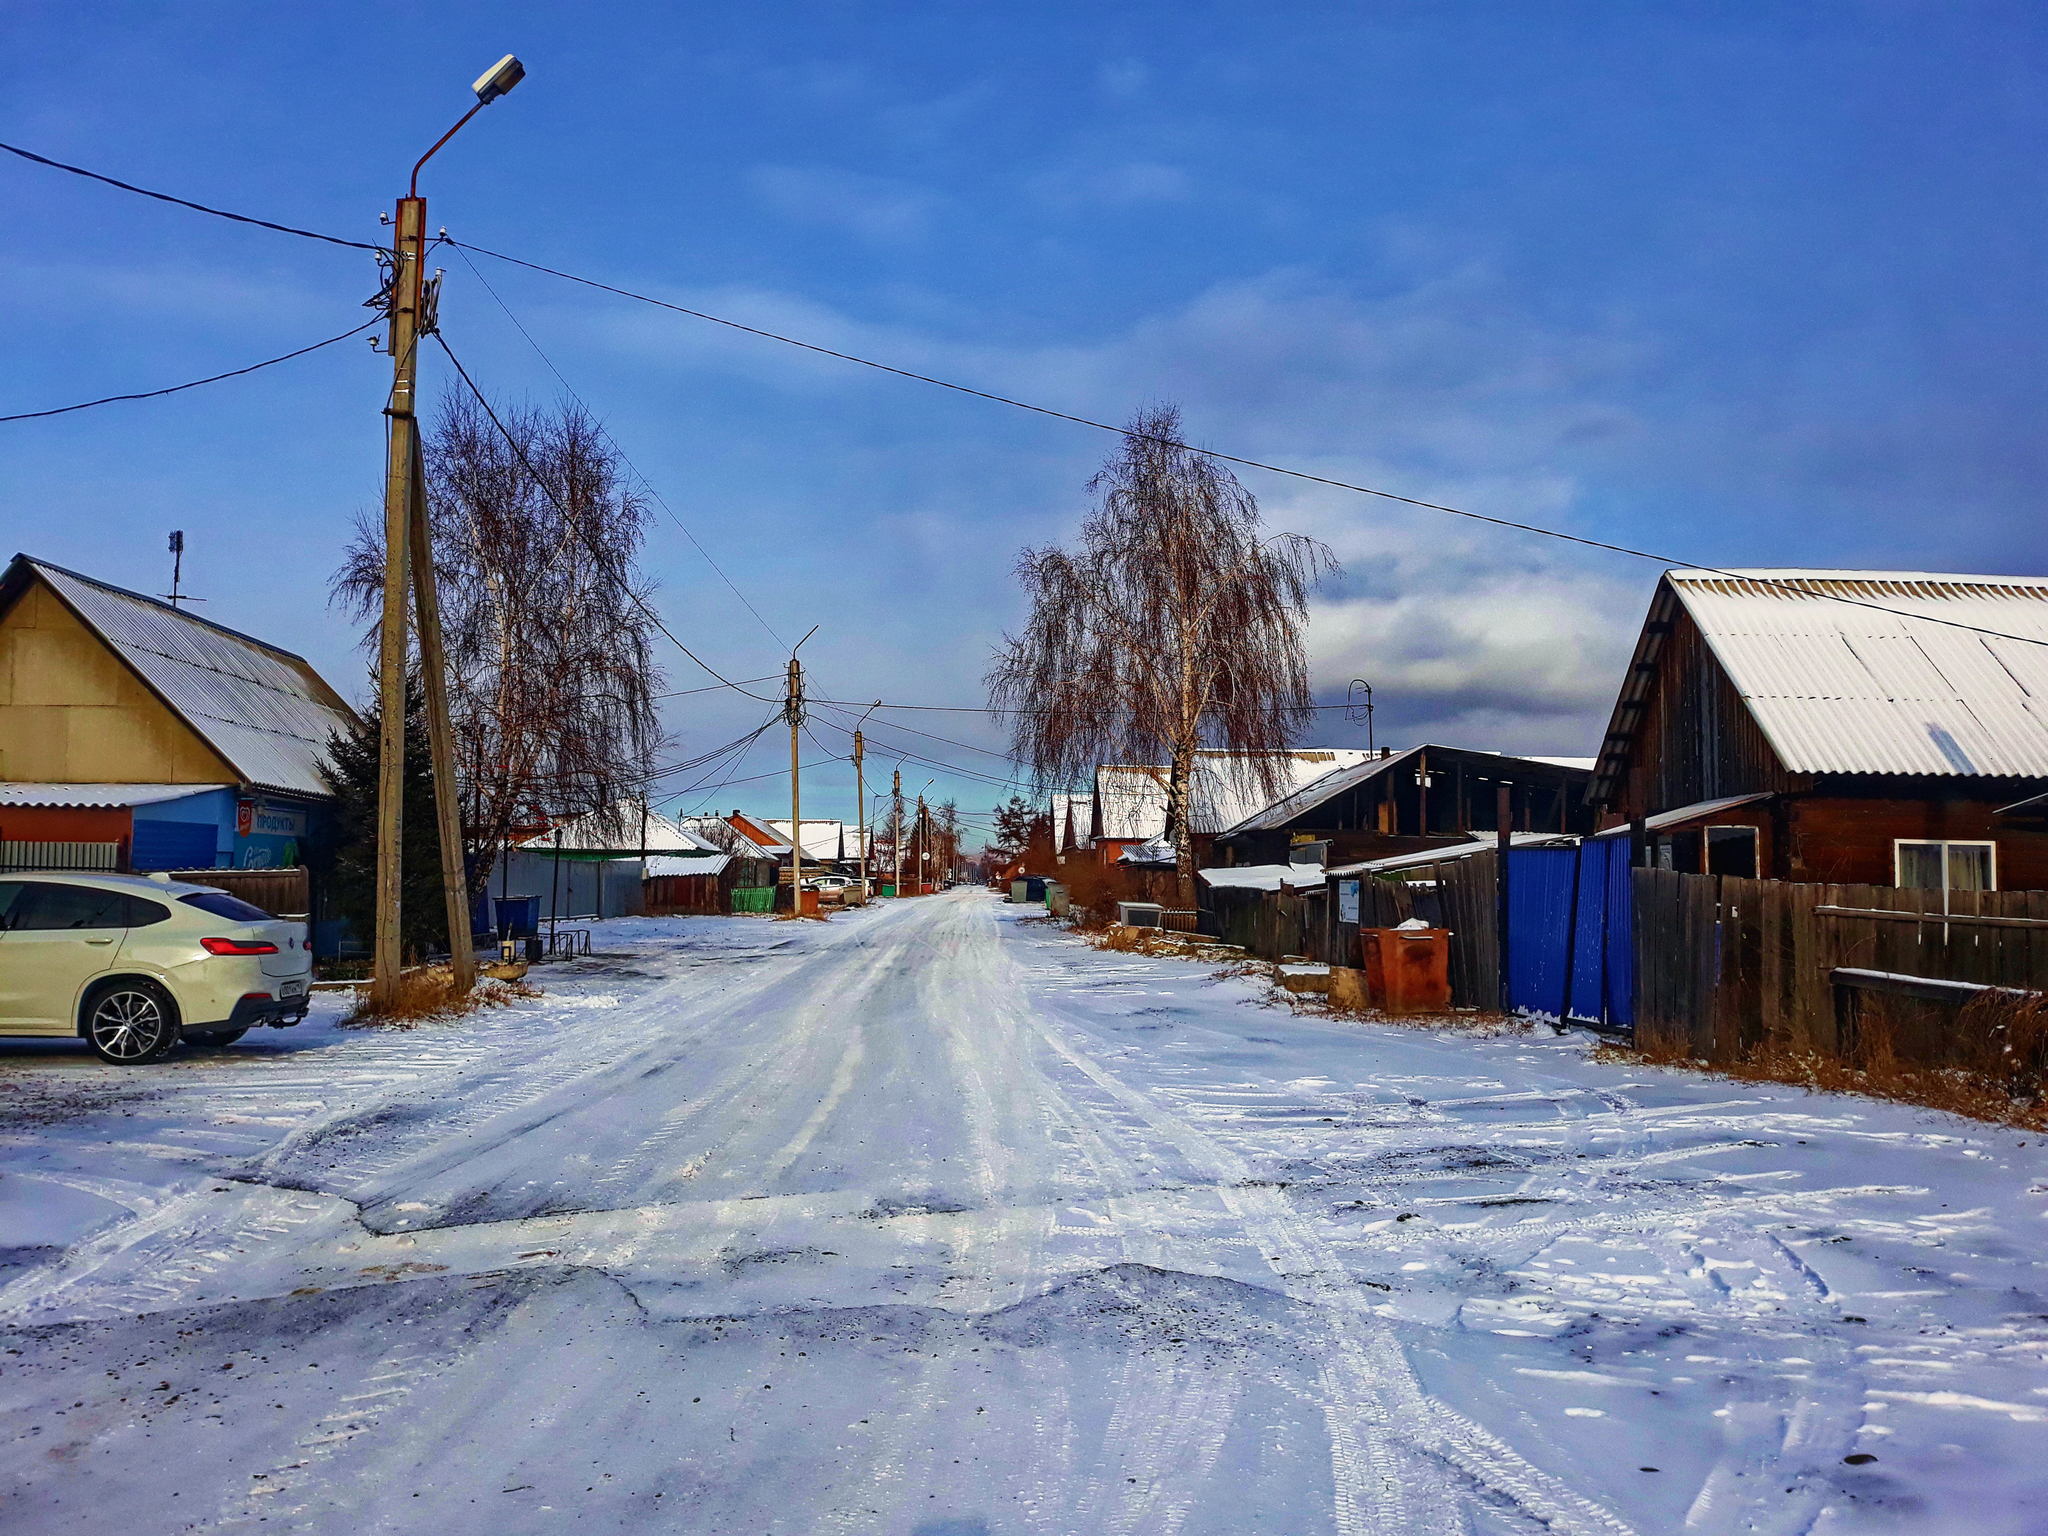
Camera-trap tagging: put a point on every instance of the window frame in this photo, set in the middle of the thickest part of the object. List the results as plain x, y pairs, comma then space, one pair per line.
1756, 846
1944, 844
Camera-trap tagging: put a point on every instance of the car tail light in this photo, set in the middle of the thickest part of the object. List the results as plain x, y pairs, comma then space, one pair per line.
238, 946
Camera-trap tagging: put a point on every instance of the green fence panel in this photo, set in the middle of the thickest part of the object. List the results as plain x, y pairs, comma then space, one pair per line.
753, 898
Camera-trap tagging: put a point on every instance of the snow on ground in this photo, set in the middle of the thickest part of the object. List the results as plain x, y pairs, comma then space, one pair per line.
936, 1222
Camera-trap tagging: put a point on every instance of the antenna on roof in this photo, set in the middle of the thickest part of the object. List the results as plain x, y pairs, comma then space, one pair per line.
1355, 712
174, 596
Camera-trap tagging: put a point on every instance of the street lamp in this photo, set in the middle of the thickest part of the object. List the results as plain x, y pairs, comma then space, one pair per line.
408, 554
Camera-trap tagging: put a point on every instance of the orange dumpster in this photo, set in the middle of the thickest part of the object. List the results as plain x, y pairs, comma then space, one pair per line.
1407, 970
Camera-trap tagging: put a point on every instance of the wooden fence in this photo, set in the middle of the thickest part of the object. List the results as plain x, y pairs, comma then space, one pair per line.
280, 892
1724, 965
1460, 894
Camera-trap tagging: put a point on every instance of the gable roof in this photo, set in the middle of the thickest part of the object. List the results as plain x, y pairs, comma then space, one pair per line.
824, 840
1131, 799
263, 709
721, 832
590, 834
1840, 688
1337, 781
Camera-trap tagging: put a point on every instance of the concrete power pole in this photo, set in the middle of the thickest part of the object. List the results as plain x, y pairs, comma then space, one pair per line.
924, 847
406, 545
896, 828
793, 710
860, 801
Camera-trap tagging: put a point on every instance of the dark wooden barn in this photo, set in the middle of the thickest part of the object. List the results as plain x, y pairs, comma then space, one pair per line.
1838, 726
1425, 798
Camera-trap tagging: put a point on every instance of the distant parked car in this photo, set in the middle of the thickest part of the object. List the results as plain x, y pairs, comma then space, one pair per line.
134, 965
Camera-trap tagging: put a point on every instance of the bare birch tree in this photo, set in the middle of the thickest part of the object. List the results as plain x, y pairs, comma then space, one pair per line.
1171, 627
551, 667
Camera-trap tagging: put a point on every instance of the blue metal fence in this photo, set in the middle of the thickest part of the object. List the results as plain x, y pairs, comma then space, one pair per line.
1571, 947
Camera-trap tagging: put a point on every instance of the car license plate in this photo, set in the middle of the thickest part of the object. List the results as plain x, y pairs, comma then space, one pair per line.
292, 989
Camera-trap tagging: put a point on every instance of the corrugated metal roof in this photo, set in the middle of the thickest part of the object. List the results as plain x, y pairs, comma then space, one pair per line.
1133, 798
1685, 813
263, 709
1839, 688
590, 834
102, 795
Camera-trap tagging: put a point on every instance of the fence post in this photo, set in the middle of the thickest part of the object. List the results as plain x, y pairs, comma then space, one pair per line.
1503, 821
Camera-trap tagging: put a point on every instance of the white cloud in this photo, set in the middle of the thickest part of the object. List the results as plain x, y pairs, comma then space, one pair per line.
875, 209
1476, 636
1134, 183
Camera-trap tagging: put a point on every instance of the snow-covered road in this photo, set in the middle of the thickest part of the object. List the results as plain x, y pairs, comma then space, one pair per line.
932, 1221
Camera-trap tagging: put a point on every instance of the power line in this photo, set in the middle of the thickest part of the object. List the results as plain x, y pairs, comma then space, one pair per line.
165, 197
577, 528
651, 490
151, 394
1231, 458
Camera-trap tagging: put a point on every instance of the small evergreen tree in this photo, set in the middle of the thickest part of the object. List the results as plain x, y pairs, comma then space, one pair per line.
351, 768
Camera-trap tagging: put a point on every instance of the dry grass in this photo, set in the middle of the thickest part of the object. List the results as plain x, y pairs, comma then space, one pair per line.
426, 994
1995, 1049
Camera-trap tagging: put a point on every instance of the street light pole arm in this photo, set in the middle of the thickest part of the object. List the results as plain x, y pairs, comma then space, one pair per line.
472, 112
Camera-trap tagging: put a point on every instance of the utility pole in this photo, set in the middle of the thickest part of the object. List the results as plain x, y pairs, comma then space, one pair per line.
896, 828
400, 425
793, 711
406, 544
924, 845
860, 800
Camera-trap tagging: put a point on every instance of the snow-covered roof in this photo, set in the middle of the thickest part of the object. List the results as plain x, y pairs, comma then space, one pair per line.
721, 833
822, 839
623, 833
101, 795
1081, 808
1445, 855
1156, 854
1262, 877
1224, 792
1844, 674
670, 864
264, 710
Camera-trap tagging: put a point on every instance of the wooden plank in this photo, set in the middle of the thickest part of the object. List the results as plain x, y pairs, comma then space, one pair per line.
1959, 919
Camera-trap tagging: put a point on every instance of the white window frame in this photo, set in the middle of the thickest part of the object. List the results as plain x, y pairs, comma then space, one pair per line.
1944, 844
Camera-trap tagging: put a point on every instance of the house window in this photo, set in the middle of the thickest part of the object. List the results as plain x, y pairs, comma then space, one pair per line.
1732, 851
1946, 866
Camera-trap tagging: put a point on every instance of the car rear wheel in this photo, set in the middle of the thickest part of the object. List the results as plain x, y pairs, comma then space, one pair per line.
215, 1037
131, 1023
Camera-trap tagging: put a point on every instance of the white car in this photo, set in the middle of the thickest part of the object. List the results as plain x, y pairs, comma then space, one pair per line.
134, 964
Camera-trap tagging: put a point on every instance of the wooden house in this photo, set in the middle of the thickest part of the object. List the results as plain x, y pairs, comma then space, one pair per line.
1872, 727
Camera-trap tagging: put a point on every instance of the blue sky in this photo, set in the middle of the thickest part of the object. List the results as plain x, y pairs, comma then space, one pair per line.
1753, 285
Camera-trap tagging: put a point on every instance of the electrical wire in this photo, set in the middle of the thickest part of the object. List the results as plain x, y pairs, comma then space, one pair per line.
982, 394
151, 394
651, 490
165, 197
571, 523
1231, 458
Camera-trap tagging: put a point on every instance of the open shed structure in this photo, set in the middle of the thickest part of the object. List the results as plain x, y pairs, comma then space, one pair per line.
1413, 801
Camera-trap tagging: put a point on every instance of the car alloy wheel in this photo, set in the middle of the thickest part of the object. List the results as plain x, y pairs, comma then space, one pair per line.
131, 1025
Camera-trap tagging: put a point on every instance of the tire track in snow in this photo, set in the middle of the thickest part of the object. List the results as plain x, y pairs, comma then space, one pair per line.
1376, 1407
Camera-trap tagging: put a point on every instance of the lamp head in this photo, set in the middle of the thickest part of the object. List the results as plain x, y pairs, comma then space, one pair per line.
498, 79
